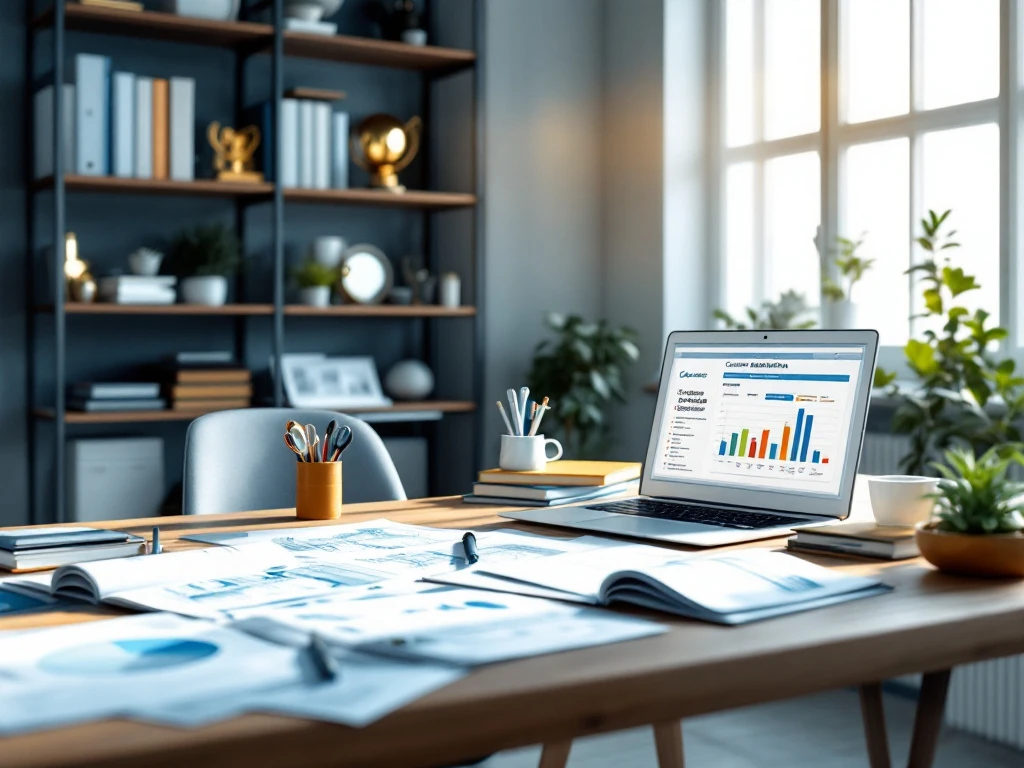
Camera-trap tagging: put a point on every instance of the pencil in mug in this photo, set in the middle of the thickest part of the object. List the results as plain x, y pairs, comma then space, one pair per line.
504, 417
541, 410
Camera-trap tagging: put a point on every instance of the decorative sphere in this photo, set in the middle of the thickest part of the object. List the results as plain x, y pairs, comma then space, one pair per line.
382, 139
409, 380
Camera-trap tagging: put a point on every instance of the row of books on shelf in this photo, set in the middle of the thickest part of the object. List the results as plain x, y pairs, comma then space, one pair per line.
314, 144
118, 124
190, 381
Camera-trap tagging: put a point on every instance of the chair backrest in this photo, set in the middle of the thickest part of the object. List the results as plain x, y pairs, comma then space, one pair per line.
237, 461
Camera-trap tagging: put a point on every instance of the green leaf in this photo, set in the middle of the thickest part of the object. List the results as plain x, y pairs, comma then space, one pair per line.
921, 357
599, 384
933, 301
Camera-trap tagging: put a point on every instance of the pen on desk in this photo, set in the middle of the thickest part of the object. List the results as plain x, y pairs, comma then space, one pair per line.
323, 662
541, 410
469, 547
524, 396
513, 401
155, 548
504, 417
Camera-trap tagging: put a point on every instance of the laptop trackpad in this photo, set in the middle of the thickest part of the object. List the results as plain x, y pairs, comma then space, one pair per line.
629, 525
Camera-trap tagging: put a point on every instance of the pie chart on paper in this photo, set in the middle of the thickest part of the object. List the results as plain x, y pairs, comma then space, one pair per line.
127, 656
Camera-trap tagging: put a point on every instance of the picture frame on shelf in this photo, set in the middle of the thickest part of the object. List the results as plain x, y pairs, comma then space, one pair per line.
318, 381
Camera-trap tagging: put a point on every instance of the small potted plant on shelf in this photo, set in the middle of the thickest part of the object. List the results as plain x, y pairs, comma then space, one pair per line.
839, 312
977, 526
203, 258
314, 280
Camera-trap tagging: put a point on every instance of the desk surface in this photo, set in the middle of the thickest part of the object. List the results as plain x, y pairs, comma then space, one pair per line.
931, 621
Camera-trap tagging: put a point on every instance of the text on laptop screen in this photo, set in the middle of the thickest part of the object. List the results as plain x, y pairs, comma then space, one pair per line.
776, 418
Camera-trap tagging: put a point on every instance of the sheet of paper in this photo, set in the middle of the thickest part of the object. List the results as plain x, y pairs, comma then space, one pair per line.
372, 535
71, 674
368, 688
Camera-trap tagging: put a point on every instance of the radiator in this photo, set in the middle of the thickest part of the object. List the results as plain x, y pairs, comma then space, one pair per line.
986, 698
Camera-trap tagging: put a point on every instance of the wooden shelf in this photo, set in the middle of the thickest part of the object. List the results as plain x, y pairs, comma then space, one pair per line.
159, 26
379, 310
381, 53
199, 187
100, 308
375, 197
127, 417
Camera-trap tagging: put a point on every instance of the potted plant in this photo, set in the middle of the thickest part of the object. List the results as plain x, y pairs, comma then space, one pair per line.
314, 280
789, 312
582, 372
839, 292
204, 257
977, 527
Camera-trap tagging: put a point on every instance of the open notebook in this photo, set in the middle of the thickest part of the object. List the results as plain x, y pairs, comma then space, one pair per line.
728, 588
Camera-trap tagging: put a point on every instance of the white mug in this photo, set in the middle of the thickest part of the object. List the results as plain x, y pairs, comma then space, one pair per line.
902, 499
328, 250
527, 454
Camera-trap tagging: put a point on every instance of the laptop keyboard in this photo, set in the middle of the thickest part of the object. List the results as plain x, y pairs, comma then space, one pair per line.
692, 513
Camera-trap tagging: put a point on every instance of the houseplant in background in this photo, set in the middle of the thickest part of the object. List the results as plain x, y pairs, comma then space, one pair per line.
965, 393
314, 281
789, 312
849, 270
204, 257
582, 371
978, 523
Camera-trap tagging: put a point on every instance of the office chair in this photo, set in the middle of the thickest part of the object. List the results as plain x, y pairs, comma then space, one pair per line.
237, 461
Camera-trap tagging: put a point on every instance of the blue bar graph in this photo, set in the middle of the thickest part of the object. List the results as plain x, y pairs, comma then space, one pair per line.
721, 449
796, 435
815, 457
773, 450
807, 437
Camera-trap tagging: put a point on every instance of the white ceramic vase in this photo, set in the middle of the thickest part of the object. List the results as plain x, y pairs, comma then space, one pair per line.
843, 314
409, 380
311, 10
145, 262
327, 251
208, 290
217, 10
315, 296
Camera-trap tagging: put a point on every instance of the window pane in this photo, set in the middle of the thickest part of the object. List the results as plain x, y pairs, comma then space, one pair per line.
793, 211
961, 51
792, 67
739, 72
961, 172
738, 271
877, 202
876, 62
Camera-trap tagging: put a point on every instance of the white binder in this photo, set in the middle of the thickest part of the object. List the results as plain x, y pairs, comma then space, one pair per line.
289, 171
92, 114
306, 144
143, 127
122, 125
182, 133
321, 145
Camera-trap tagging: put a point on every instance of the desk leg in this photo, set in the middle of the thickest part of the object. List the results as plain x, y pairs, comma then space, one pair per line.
668, 740
555, 754
928, 721
873, 714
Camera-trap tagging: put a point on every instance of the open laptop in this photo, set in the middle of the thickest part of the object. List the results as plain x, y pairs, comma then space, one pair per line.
755, 432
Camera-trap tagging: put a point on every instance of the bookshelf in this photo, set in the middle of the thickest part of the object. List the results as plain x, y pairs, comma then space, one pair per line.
258, 34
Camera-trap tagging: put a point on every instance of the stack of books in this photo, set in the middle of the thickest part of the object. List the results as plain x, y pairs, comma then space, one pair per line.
562, 482
314, 144
115, 396
31, 549
137, 289
118, 124
885, 542
208, 381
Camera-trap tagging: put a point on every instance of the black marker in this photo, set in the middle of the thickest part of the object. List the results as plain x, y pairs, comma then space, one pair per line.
469, 547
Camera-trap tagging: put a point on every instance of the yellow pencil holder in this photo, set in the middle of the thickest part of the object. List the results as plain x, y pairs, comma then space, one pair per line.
318, 490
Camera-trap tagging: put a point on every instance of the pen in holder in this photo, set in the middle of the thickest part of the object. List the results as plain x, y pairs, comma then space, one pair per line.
318, 490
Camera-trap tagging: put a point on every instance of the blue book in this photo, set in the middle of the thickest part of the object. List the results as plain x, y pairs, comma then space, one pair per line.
122, 124
92, 115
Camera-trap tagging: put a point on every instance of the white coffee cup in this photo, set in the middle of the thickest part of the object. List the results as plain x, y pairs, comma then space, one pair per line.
328, 250
527, 454
902, 499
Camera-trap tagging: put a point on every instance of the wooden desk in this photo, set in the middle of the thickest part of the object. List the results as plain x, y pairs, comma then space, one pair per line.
930, 622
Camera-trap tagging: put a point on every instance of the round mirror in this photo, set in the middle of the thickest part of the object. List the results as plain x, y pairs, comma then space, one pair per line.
366, 274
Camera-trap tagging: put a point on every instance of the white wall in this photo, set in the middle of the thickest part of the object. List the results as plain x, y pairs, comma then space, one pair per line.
541, 198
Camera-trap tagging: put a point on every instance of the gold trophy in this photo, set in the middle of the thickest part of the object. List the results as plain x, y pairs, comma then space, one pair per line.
80, 284
234, 151
383, 146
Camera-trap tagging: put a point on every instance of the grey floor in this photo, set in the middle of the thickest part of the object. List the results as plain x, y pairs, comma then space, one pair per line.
823, 731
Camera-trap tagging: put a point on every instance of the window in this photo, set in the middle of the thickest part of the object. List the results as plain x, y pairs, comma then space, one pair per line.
843, 117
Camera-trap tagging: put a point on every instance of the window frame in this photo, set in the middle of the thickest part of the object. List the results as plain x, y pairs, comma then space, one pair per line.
835, 136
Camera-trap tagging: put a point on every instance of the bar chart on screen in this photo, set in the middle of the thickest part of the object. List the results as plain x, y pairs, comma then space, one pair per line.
779, 434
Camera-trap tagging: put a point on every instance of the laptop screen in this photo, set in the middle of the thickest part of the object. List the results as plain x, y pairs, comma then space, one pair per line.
772, 418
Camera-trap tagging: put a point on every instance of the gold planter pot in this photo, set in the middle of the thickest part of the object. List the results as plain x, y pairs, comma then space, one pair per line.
970, 554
